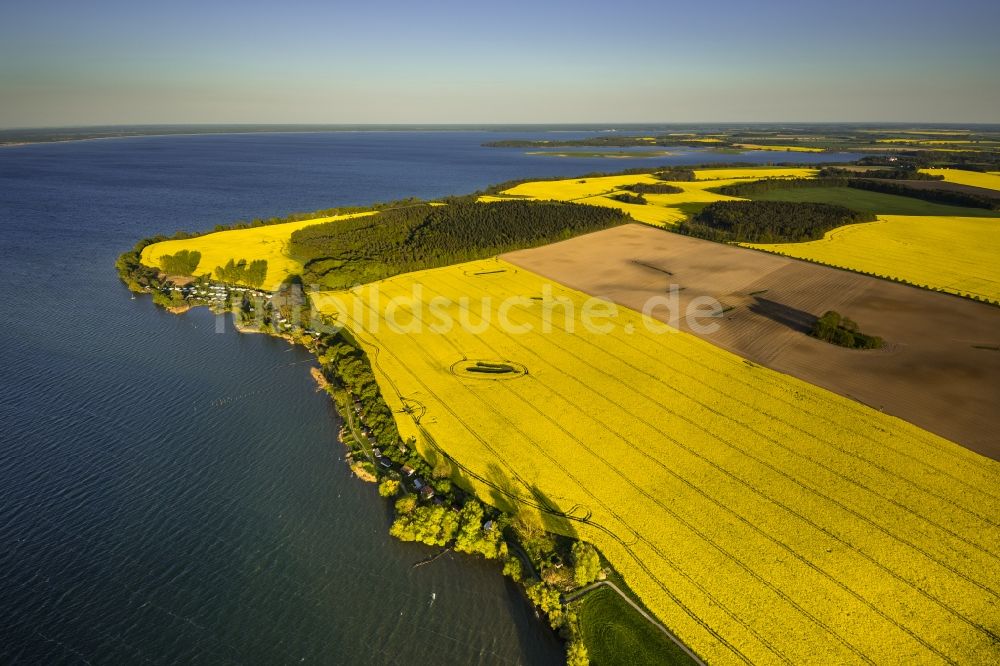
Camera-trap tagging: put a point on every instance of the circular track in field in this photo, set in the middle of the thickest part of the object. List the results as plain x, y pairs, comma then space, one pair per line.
489, 272
488, 369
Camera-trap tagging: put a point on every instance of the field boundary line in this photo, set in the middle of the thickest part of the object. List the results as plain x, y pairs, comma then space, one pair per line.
576, 594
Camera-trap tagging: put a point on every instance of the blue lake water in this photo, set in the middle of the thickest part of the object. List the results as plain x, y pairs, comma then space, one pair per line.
173, 495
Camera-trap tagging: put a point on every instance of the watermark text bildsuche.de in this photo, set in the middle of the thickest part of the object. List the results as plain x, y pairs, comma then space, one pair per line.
421, 310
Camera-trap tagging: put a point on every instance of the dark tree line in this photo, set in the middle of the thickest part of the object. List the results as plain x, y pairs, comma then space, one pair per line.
940, 196
883, 186
347, 367
679, 175
661, 172
349, 252
769, 221
905, 173
626, 197
656, 188
749, 189
969, 160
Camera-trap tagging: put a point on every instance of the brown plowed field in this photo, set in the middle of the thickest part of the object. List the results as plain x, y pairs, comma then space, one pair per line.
940, 368
950, 187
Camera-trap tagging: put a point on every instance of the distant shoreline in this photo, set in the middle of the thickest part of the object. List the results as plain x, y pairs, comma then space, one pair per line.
171, 134
24, 136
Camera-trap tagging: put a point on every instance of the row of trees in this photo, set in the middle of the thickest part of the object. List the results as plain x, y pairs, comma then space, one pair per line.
903, 173
751, 188
184, 262
679, 174
252, 274
769, 221
945, 196
656, 188
348, 252
346, 367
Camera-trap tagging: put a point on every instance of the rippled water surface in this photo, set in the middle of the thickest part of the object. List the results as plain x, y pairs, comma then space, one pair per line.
173, 495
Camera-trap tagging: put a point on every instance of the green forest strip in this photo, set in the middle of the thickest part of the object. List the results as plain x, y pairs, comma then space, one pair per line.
942, 196
872, 202
769, 221
654, 188
345, 253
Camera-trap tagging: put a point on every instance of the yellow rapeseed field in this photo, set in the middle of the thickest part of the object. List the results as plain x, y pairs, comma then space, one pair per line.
930, 132
598, 192
661, 209
953, 254
937, 142
651, 213
933, 132
754, 173
764, 520
973, 178
574, 189
267, 242
792, 149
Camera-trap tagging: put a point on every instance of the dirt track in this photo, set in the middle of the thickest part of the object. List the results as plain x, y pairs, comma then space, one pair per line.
934, 371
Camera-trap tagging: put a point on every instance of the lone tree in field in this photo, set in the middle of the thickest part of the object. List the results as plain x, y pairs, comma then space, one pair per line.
839, 330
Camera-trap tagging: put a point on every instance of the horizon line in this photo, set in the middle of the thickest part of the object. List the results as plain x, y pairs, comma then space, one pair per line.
512, 124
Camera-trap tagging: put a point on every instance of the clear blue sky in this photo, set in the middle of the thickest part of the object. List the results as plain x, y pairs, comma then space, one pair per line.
67, 63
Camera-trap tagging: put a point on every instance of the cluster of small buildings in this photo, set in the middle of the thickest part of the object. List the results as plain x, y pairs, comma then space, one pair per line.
408, 473
214, 291
217, 293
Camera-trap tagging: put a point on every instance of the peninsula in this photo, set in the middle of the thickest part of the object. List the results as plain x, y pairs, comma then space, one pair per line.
639, 480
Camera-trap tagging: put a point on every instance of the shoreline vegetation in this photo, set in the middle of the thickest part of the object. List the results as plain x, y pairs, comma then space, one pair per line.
433, 502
